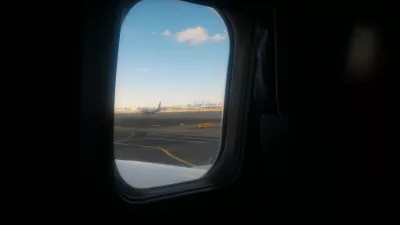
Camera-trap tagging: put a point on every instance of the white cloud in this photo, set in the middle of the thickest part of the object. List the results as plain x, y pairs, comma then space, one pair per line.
153, 32
143, 70
198, 35
166, 33
193, 36
218, 37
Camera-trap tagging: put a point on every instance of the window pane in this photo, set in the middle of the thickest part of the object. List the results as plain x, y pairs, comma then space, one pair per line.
170, 85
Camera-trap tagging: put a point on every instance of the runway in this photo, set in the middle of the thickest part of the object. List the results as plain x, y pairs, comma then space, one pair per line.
168, 138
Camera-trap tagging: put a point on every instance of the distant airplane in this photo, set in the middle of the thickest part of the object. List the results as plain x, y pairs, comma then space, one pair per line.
149, 111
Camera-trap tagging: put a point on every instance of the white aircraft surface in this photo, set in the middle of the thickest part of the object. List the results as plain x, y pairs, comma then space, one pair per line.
145, 174
149, 111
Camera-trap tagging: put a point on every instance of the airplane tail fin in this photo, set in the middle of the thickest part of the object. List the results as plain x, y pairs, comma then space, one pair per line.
159, 106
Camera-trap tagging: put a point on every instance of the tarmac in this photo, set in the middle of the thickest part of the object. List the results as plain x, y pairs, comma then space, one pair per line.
168, 138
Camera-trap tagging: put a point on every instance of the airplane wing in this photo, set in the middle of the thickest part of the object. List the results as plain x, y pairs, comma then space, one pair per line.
144, 174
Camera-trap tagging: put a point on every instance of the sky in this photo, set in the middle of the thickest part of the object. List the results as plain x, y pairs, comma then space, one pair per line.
171, 51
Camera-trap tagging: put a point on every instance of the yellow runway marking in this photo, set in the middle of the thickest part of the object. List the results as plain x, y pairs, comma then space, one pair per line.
163, 150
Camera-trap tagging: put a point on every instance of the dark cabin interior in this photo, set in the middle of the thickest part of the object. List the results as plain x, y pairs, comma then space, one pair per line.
314, 149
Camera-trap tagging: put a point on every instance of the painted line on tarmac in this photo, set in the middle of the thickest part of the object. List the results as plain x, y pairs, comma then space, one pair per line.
183, 136
169, 139
163, 150
180, 134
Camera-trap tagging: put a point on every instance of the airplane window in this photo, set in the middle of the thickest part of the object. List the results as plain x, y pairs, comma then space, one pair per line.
170, 86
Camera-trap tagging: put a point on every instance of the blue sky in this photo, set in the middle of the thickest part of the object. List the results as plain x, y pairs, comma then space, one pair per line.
171, 51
